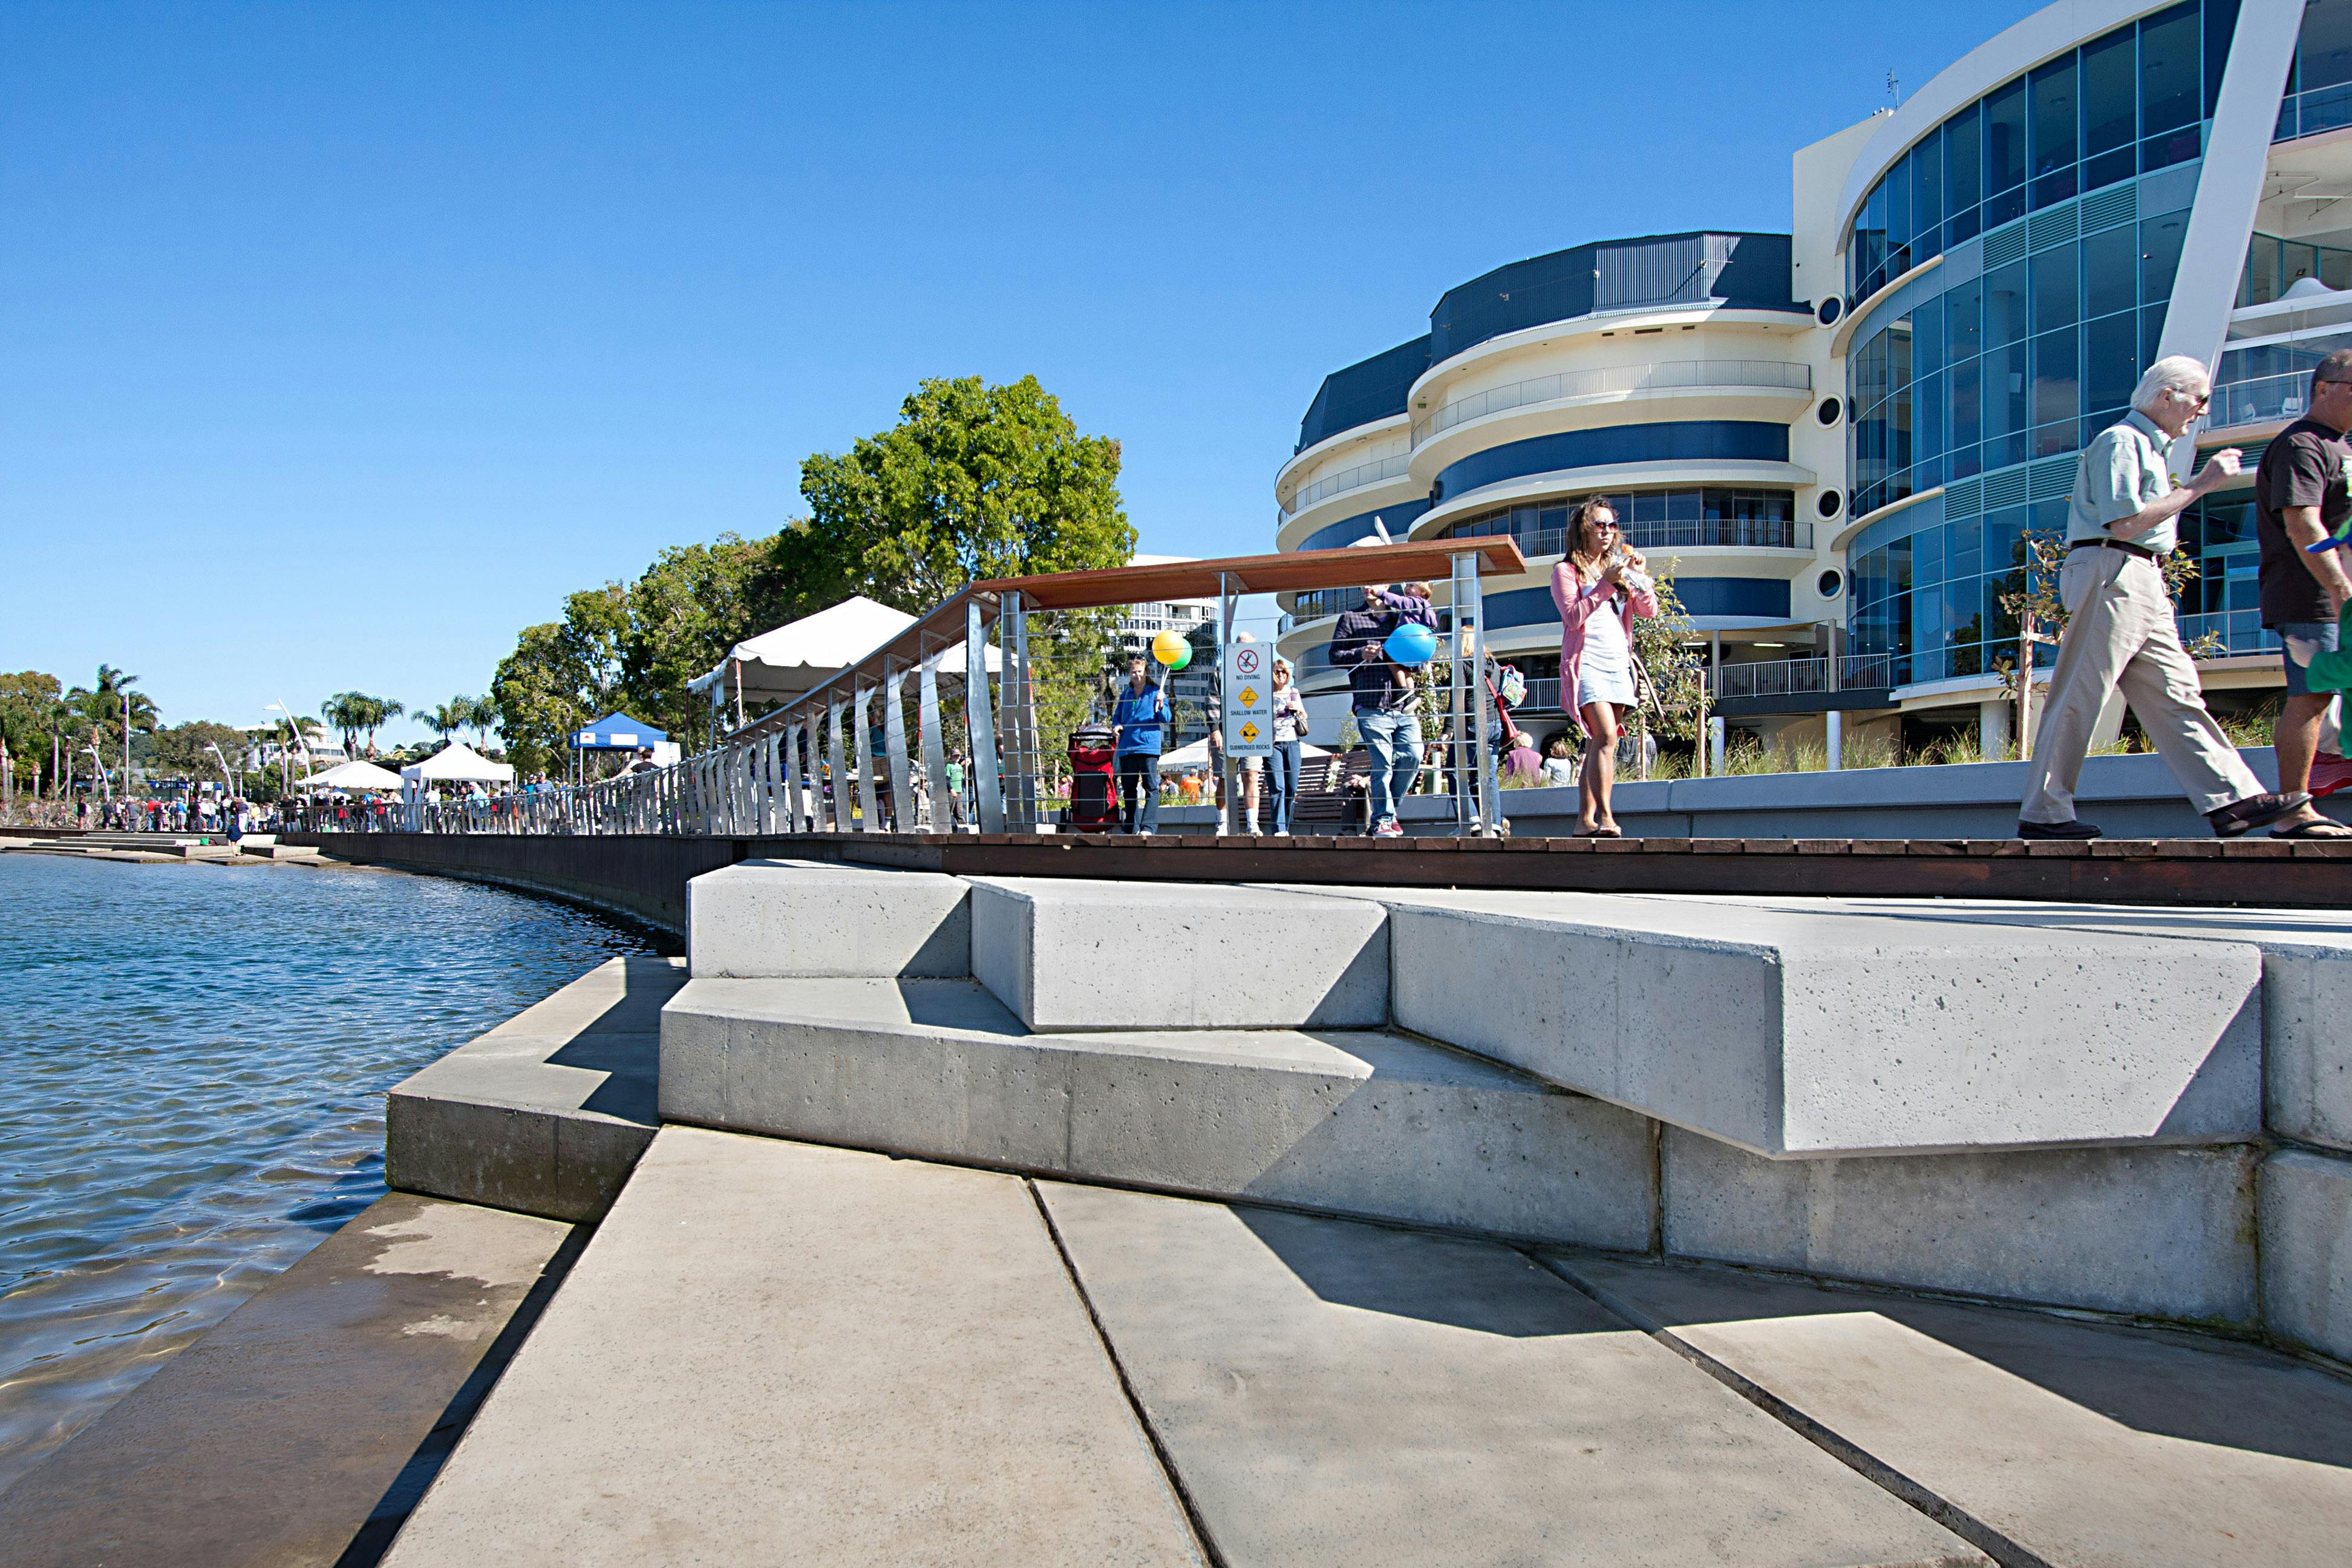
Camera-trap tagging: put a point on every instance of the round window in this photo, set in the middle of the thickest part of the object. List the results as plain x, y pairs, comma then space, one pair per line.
1832, 584
1830, 410
1830, 309
1830, 504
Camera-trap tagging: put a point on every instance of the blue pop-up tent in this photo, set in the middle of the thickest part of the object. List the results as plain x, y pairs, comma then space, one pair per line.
616, 732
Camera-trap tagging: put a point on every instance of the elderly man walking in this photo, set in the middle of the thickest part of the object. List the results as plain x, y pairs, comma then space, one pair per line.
2120, 525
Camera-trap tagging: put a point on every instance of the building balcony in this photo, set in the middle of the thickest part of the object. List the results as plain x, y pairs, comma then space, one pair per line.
1361, 477
1617, 380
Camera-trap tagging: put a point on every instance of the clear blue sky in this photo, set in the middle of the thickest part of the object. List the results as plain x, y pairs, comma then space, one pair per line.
339, 341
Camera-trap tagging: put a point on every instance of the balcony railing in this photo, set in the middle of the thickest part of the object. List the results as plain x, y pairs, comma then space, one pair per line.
1817, 676
2309, 113
2261, 401
2240, 631
1362, 474
1736, 373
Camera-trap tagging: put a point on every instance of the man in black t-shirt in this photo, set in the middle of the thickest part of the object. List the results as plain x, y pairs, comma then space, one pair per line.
2300, 498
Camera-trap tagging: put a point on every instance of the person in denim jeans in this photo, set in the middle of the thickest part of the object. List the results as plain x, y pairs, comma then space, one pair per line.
2300, 502
1289, 731
1384, 692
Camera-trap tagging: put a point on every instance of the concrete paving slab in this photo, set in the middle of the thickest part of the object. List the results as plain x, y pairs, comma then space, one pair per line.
774, 1354
547, 1112
1792, 1033
307, 1424
1067, 953
1349, 1121
2165, 1231
2042, 1438
2307, 986
2306, 1220
1332, 1392
817, 918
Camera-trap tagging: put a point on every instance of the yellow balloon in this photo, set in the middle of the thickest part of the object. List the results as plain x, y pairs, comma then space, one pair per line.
1171, 650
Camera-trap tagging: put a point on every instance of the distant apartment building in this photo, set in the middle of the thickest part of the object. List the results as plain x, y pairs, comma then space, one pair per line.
1840, 436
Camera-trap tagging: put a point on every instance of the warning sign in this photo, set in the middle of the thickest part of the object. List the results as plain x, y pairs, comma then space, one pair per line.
1248, 701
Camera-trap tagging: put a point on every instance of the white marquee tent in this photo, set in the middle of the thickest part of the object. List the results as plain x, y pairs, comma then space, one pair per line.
353, 775
794, 659
457, 762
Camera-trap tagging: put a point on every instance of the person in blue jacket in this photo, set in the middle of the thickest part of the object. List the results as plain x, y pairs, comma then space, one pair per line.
1141, 716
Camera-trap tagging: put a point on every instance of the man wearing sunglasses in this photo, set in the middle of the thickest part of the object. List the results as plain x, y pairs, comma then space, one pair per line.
2121, 523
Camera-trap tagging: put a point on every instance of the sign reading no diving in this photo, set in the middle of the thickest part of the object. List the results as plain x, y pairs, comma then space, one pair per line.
1248, 701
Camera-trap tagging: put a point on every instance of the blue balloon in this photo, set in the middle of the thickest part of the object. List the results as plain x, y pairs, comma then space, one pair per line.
1411, 645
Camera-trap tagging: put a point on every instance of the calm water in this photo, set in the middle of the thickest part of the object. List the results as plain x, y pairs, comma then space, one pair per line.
193, 1061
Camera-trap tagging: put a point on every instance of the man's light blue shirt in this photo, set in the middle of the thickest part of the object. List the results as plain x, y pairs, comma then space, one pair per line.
2125, 468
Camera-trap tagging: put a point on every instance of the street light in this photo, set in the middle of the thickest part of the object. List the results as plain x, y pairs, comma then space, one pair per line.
227, 772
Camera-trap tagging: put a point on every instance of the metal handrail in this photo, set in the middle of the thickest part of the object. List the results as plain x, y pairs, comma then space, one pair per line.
1353, 478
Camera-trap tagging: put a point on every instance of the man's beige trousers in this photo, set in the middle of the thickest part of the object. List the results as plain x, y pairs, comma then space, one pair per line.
2120, 632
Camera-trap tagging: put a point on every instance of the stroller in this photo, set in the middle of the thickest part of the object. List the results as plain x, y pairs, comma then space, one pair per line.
1093, 802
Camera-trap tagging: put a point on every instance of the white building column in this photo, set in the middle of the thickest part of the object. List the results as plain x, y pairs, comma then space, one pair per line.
1993, 716
1836, 733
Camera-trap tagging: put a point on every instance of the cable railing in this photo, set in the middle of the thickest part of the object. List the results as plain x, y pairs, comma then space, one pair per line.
1353, 478
1736, 373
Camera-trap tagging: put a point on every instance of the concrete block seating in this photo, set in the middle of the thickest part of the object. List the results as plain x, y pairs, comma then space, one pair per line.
2167, 1232
783, 918
2306, 1230
1365, 1123
1792, 1034
1066, 953
547, 1112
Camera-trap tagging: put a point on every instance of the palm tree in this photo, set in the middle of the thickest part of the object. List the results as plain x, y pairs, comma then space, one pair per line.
481, 712
343, 712
449, 717
380, 711
114, 710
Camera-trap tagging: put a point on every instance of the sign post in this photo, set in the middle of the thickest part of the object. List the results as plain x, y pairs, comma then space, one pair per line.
1248, 700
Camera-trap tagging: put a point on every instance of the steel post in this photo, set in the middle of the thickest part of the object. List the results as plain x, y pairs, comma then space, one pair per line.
894, 740
935, 754
861, 751
987, 787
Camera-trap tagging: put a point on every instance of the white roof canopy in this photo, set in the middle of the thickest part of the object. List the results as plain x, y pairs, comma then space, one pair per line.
460, 762
353, 775
795, 659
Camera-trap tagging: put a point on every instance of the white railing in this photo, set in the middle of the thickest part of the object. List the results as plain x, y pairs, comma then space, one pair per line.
1735, 372
1353, 478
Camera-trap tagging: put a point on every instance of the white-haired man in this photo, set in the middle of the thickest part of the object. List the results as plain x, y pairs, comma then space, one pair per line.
2120, 525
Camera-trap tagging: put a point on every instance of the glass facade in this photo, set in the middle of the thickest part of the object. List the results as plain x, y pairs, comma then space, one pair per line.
1657, 520
1675, 441
2319, 84
2007, 363
1749, 270
2127, 103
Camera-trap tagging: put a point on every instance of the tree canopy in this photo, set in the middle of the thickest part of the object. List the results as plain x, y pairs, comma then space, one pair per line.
973, 481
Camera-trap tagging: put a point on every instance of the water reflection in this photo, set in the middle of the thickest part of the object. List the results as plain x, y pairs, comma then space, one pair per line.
193, 1061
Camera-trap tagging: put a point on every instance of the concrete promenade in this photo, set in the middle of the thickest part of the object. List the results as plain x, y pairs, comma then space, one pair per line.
1003, 1220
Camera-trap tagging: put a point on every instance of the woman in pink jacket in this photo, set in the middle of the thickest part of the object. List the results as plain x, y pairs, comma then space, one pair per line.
1599, 588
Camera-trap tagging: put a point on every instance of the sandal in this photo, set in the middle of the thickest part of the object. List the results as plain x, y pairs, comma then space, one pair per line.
2317, 828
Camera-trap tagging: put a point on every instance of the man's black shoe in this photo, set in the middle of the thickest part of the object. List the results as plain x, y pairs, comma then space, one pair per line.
2058, 830
2255, 811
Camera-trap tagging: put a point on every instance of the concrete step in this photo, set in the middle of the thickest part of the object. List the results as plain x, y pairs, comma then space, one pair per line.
547, 1112
1362, 1122
1793, 1033
800, 917
1067, 953
772, 1353
1330, 1393
274, 851
298, 1430
2039, 1439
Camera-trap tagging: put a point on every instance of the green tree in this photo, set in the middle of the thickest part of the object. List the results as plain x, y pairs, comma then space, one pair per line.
693, 604
111, 712
180, 749
561, 675
973, 481
32, 720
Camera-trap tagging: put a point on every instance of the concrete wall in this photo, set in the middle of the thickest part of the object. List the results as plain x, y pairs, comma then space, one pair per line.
642, 875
